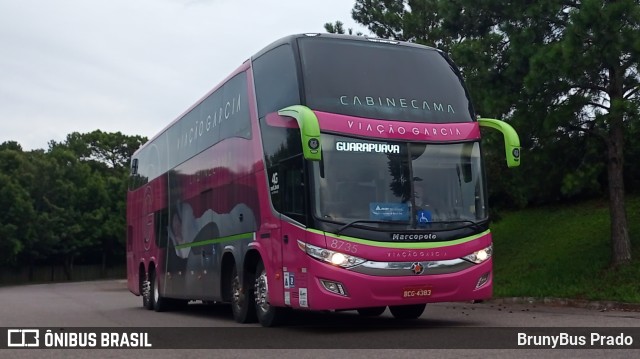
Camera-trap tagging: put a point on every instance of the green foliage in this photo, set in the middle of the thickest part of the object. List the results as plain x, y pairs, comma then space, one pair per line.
563, 73
406, 20
67, 203
334, 28
544, 66
563, 251
14, 219
338, 28
111, 149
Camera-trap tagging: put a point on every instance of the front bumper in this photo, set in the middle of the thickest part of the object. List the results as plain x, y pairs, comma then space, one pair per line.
370, 290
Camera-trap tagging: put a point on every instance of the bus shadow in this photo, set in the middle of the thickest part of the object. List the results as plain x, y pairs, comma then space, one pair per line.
331, 321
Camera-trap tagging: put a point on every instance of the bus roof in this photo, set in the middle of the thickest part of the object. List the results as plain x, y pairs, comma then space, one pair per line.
291, 38
284, 40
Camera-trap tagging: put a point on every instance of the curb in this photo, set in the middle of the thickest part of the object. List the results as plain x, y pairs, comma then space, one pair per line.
602, 306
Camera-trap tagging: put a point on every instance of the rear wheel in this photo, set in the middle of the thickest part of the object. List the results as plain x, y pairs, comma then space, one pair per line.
371, 312
268, 315
145, 290
241, 299
158, 302
407, 311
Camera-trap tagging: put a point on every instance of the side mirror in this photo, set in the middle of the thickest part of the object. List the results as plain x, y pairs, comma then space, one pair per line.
134, 167
511, 139
309, 130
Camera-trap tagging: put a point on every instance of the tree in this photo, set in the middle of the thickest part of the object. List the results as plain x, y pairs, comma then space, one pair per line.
65, 204
16, 213
23, 227
113, 149
334, 28
578, 64
405, 20
338, 28
593, 67
564, 72
102, 173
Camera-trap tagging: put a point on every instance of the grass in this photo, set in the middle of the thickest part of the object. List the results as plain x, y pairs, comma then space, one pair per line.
565, 252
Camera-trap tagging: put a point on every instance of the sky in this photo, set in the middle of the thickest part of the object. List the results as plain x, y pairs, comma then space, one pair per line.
131, 66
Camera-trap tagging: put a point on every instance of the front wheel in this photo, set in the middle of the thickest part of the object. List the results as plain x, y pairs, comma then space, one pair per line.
158, 302
407, 311
268, 315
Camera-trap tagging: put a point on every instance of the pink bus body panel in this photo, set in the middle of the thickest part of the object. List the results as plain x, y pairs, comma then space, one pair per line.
371, 291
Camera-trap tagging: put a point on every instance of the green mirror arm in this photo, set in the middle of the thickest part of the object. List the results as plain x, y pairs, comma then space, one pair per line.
309, 130
511, 139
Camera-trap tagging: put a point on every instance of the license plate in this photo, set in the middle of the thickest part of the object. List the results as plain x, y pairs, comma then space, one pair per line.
416, 292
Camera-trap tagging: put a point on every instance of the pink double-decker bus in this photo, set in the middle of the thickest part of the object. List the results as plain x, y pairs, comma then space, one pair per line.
326, 173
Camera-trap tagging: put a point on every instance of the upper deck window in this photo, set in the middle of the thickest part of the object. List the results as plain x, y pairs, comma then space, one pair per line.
276, 80
382, 81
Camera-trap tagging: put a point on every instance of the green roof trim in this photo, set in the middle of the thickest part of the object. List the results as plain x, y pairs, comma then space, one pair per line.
309, 130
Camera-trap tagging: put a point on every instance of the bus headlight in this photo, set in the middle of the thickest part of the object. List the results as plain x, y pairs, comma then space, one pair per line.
338, 258
480, 256
329, 256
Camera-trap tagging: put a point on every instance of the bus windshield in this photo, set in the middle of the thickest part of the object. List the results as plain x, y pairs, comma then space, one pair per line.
382, 81
394, 183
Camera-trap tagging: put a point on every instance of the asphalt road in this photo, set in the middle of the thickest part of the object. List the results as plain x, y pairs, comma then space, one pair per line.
108, 304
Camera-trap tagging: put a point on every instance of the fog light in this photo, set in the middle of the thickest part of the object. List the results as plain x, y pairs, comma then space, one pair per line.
334, 287
483, 280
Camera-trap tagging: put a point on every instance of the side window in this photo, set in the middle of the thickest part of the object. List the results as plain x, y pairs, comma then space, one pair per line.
276, 80
284, 165
222, 114
234, 109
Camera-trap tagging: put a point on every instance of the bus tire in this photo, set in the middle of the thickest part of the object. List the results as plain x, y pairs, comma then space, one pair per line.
371, 312
145, 289
242, 299
268, 315
158, 302
412, 311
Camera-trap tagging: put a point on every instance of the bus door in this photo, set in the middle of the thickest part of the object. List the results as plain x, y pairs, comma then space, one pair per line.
293, 207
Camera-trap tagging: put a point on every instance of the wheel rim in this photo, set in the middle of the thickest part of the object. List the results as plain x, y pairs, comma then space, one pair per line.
145, 289
262, 292
236, 292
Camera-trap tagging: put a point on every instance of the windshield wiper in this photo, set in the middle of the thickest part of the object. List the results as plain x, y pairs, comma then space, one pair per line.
472, 224
366, 221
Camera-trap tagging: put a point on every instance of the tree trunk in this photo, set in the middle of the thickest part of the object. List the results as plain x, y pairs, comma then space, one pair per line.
68, 266
31, 265
620, 243
103, 267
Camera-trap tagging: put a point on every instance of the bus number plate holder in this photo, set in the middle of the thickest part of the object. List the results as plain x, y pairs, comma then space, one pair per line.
417, 292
